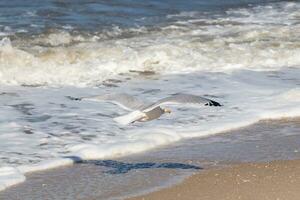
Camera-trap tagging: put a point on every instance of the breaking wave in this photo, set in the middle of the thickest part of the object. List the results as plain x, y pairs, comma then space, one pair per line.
247, 38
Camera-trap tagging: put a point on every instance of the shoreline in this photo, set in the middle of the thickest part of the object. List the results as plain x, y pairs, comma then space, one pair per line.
131, 176
21, 172
247, 181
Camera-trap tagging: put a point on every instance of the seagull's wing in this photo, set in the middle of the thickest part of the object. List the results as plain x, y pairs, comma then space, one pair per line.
182, 99
123, 100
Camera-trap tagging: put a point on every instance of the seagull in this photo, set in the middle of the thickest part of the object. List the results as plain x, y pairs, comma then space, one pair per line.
142, 111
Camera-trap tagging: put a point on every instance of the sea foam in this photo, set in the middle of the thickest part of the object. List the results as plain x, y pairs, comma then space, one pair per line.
245, 38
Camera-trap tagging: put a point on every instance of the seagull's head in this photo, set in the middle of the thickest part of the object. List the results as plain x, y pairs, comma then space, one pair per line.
166, 110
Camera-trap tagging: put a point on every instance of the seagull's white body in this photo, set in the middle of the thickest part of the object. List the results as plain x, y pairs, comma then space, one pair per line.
130, 117
141, 111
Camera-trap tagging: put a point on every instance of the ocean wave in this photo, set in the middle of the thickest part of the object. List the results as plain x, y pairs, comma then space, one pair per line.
247, 38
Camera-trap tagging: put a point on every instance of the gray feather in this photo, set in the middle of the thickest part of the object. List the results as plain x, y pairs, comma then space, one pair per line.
123, 100
182, 99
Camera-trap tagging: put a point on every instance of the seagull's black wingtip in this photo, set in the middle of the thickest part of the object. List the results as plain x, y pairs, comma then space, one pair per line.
213, 103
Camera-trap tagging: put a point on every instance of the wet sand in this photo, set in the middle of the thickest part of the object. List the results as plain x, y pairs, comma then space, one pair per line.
277, 180
165, 166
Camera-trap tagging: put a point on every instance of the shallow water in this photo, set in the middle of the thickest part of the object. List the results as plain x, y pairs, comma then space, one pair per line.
233, 52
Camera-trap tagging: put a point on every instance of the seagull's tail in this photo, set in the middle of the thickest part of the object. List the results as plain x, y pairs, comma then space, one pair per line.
129, 118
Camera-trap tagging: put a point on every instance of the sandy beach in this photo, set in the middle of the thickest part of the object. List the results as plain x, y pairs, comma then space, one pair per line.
278, 180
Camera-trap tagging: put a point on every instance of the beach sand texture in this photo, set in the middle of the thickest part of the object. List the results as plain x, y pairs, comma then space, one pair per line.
277, 180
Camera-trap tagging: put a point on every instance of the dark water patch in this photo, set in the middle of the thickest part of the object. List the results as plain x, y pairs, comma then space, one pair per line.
75, 131
28, 131
111, 134
38, 118
114, 114
24, 108
183, 109
273, 76
75, 117
236, 108
88, 137
16, 153
60, 134
113, 81
12, 94
152, 91
297, 80
143, 73
110, 85
43, 144
33, 85
139, 89
212, 96
105, 115
57, 123
71, 127
63, 105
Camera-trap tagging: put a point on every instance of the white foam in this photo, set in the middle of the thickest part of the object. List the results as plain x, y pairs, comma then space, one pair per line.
45, 165
10, 176
241, 39
136, 143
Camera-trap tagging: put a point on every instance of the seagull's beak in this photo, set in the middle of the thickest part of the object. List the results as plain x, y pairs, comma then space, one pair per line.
166, 110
